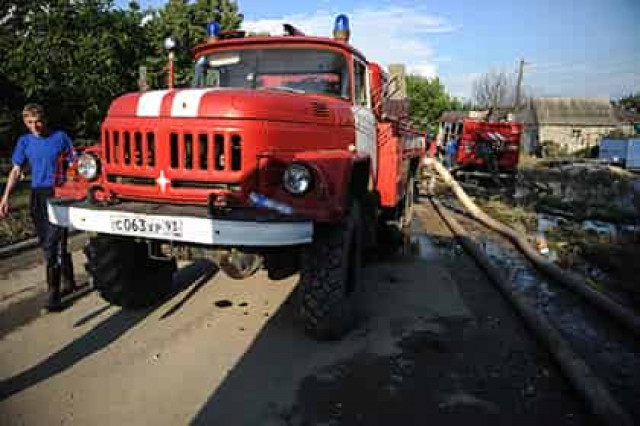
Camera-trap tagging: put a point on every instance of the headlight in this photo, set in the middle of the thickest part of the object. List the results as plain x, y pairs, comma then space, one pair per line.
88, 166
297, 179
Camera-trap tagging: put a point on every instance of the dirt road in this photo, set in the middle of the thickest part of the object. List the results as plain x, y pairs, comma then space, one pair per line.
435, 345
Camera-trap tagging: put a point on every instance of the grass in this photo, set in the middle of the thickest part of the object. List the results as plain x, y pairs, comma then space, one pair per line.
577, 248
518, 217
17, 226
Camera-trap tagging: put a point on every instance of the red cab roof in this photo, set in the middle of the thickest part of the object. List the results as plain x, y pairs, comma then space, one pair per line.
276, 41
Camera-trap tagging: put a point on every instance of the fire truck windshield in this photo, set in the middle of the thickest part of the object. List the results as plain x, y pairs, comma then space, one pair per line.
292, 69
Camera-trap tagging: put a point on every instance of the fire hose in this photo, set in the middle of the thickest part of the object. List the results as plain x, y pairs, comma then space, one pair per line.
595, 394
570, 280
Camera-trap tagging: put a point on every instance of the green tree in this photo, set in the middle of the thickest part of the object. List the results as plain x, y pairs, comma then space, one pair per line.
73, 56
630, 102
185, 21
428, 99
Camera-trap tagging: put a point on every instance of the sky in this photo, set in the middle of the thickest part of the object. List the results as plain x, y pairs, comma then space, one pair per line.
579, 48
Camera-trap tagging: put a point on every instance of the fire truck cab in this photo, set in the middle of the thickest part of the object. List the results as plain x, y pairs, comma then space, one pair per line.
286, 153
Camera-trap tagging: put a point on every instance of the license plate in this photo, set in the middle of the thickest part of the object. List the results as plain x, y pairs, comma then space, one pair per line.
146, 226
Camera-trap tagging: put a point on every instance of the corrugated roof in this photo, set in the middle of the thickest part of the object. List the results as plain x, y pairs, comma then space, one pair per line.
573, 111
453, 116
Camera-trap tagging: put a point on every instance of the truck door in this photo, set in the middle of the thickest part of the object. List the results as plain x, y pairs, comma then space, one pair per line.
365, 120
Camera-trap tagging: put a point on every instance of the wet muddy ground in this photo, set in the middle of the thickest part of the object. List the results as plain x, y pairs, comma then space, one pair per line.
436, 344
612, 353
589, 214
482, 370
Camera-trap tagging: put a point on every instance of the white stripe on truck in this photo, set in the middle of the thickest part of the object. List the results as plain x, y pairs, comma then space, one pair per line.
149, 103
186, 103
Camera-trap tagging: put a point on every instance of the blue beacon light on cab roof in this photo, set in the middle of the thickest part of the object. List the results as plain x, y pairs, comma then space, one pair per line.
213, 29
341, 29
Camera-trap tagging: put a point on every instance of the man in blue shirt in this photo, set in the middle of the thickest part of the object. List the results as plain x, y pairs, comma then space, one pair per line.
42, 149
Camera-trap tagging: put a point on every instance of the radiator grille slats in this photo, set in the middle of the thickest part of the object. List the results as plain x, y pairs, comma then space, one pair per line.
236, 153
203, 143
186, 151
107, 146
187, 154
137, 149
116, 148
129, 148
151, 150
126, 151
175, 154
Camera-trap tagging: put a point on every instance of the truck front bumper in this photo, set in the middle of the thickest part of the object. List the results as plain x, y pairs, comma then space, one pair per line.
187, 224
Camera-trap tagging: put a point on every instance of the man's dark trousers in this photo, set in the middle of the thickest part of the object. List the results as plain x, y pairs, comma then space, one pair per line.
53, 241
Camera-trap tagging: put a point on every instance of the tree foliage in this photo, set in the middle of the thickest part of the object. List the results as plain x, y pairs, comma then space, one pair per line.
76, 56
428, 99
185, 21
630, 102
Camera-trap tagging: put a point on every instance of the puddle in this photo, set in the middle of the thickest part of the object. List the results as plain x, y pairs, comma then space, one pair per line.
548, 222
425, 249
421, 246
565, 313
523, 279
519, 271
223, 303
601, 228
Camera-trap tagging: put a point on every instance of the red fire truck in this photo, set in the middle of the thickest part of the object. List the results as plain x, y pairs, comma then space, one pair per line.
287, 153
487, 151
490, 146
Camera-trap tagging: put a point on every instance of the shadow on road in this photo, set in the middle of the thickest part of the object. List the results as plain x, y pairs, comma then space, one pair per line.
201, 276
263, 386
429, 351
28, 309
99, 336
91, 315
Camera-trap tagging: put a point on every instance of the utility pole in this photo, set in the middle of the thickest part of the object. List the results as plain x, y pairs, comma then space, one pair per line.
519, 84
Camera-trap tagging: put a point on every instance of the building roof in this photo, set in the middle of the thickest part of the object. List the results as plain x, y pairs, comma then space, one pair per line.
457, 116
570, 111
453, 116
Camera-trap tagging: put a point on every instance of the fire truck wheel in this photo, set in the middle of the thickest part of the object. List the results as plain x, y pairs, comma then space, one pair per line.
124, 274
330, 269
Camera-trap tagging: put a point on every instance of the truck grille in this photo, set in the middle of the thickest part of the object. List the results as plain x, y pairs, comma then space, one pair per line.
187, 151
203, 151
126, 148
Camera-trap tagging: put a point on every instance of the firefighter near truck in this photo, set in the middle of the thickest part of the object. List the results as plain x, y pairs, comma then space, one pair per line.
288, 153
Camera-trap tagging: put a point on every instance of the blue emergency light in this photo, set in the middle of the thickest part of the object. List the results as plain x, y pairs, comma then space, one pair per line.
213, 29
341, 29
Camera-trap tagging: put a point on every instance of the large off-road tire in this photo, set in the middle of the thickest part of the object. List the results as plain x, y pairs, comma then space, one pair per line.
329, 275
124, 274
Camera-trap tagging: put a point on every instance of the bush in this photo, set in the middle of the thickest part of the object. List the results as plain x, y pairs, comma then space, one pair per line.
552, 149
616, 134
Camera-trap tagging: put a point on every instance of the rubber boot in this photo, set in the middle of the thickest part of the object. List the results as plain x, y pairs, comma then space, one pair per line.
54, 302
68, 279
